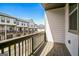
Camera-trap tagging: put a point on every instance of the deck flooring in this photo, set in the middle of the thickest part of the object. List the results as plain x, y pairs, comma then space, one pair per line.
56, 49
59, 50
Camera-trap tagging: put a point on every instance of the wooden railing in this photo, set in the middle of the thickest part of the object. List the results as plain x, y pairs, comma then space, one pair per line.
22, 46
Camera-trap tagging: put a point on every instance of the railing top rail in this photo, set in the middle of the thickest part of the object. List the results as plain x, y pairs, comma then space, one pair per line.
11, 41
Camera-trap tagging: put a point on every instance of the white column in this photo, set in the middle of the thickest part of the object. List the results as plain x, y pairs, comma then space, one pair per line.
5, 29
23, 30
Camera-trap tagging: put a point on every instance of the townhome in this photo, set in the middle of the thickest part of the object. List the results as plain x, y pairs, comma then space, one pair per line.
26, 25
11, 27
2, 28
7, 26
31, 25
35, 27
20, 27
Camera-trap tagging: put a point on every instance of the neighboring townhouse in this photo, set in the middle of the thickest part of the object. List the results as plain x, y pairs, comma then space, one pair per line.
31, 26
7, 26
26, 25
22, 27
35, 27
11, 27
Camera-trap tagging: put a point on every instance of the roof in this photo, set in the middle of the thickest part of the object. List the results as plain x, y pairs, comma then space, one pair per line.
24, 20
30, 20
19, 19
6, 15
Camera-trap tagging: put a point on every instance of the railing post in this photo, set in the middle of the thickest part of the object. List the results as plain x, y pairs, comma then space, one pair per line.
32, 44
19, 48
9, 50
25, 48
45, 37
2, 51
22, 48
15, 49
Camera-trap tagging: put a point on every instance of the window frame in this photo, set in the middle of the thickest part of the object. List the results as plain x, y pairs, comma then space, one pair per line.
2, 19
8, 20
70, 13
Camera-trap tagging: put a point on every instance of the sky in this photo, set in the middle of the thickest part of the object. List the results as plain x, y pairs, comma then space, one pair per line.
33, 11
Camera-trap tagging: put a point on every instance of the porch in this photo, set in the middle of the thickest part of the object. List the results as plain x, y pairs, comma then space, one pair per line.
34, 44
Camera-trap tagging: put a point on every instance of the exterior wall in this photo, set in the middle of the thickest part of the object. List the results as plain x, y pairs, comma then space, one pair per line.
73, 47
26, 24
20, 24
31, 25
7, 18
55, 25
11, 21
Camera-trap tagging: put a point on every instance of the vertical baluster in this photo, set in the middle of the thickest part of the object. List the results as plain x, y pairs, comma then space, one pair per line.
9, 48
15, 49
22, 48
2, 51
19, 48
28, 46
32, 44
25, 47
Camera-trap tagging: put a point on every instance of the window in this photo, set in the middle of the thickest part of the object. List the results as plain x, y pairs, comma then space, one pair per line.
14, 22
73, 21
17, 23
72, 6
73, 18
22, 23
2, 19
8, 20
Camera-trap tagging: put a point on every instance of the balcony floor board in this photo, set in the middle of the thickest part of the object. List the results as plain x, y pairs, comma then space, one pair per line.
59, 50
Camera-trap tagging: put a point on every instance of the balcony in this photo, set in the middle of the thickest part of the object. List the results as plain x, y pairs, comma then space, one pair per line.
34, 44
11, 31
19, 31
23, 45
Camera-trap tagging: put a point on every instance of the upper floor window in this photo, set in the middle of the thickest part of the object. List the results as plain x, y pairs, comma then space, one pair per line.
14, 21
73, 18
22, 23
72, 6
2, 19
8, 20
17, 23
